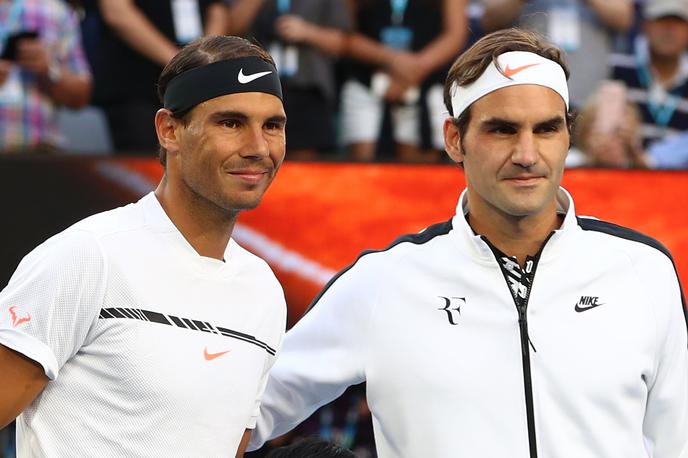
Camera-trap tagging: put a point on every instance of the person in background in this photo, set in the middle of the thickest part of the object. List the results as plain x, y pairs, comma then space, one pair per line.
656, 73
584, 29
42, 66
607, 132
400, 50
303, 36
138, 38
311, 447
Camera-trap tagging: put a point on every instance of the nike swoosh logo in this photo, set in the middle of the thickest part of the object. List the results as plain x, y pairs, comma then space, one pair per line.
509, 72
245, 79
212, 356
579, 309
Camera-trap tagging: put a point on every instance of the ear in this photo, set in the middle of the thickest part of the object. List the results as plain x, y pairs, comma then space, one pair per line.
452, 140
166, 127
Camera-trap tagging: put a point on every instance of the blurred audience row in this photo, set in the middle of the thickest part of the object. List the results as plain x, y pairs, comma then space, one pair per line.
362, 78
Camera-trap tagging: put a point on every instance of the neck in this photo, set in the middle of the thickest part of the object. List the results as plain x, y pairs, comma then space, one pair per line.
664, 67
515, 236
203, 224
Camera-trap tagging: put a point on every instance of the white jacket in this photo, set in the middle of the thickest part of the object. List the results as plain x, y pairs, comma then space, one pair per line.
431, 326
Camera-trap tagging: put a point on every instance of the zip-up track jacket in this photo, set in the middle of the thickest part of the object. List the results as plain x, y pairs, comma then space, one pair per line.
594, 363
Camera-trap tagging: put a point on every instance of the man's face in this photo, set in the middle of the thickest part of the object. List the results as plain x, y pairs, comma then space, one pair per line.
513, 151
667, 36
230, 149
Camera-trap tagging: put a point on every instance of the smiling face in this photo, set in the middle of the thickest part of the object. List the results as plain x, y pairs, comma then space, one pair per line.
228, 151
513, 152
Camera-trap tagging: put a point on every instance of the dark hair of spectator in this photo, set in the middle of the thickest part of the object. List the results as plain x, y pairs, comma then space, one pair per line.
470, 65
204, 51
311, 448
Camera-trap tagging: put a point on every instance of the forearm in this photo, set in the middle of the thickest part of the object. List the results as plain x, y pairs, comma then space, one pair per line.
242, 14
328, 40
367, 50
70, 90
137, 31
617, 14
500, 13
216, 19
446, 47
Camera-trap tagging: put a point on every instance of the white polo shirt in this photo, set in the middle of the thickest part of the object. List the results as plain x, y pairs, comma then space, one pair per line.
151, 349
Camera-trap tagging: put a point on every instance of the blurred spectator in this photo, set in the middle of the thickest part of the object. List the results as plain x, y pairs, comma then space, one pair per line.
302, 36
670, 153
311, 448
401, 49
656, 74
42, 66
585, 29
138, 38
607, 132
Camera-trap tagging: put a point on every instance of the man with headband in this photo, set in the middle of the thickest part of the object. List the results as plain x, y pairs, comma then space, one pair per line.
514, 329
146, 330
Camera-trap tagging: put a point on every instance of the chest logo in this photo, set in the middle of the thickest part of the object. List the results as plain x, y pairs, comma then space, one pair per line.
587, 303
16, 319
452, 306
211, 356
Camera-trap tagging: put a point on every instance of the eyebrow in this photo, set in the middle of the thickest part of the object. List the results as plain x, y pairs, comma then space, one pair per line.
556, 121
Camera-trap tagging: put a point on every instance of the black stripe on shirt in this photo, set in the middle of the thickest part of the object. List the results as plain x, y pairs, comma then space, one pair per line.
183, 323
589, 224
417, 239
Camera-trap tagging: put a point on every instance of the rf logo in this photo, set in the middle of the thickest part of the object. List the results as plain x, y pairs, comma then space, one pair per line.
452, 305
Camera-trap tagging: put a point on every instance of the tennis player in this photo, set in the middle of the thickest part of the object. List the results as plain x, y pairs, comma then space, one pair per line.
146, 330
514, 329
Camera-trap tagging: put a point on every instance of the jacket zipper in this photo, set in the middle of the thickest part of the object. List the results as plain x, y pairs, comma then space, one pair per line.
522, 307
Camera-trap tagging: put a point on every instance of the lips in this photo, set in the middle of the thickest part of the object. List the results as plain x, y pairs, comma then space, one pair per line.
250, 175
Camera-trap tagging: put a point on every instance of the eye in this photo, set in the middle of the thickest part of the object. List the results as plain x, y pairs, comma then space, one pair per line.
274, 125
503, 130
231, 123
547, 129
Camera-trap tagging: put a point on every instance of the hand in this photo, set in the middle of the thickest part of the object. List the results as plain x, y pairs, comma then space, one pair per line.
408, 67
32, 55
395, 91
5, 67
292, 28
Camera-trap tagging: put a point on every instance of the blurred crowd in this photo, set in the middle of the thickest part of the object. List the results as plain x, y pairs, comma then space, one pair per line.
362, 78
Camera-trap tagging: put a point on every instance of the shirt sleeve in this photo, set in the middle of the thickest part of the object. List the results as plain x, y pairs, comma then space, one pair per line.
666, 416
52, 300
322, 355
69, 50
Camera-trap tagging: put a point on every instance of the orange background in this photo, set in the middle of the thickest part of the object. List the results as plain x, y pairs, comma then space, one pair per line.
330, 212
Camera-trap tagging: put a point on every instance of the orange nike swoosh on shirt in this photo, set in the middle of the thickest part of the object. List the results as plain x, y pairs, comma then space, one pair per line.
212, 356
509, 72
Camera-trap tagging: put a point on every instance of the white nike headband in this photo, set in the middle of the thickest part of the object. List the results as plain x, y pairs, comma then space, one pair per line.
518, 68
231, 76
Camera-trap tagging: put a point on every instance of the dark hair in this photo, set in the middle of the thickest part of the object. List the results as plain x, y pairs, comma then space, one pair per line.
470, 65
312, 447
204, 51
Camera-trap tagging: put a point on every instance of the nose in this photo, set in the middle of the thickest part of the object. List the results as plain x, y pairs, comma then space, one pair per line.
525, 152
256, 145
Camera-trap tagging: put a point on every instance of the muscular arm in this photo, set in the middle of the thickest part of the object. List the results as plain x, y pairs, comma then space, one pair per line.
216, 19
616, 14
21, 380
136, 30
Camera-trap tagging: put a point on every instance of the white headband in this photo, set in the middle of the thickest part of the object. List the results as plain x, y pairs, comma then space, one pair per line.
519, 68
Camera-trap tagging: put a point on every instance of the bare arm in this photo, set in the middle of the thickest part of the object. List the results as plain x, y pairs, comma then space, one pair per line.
216, 19
241, 15
616, 14
136, 30
500, 13
293, 28
244, 443
21, 379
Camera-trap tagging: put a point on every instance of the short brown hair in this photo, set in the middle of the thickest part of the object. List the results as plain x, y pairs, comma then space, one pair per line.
470, 65
204, 51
